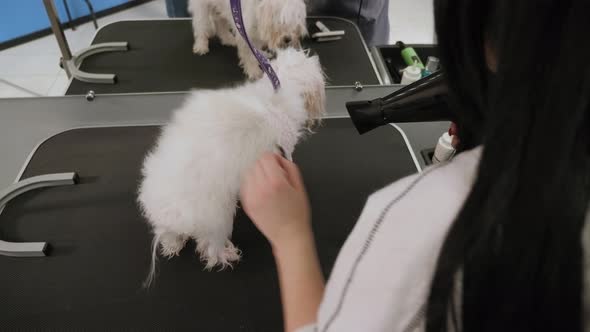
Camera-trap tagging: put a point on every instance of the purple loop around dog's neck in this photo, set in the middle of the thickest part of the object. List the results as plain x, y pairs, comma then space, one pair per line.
236, 9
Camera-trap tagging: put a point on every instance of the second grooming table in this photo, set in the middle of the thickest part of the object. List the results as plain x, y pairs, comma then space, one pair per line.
161, 58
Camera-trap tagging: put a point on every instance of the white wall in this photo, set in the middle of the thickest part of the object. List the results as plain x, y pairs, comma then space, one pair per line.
411, 21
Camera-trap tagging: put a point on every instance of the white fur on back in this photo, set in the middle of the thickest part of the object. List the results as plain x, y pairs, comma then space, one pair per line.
200, 151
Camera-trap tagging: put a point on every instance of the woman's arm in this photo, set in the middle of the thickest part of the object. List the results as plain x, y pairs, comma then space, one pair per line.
274, 197
301, 280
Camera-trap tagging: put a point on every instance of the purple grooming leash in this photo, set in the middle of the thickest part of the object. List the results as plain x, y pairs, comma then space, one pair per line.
236, 10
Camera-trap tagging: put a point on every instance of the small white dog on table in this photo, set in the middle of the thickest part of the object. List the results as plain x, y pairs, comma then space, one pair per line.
270, 25
192, 177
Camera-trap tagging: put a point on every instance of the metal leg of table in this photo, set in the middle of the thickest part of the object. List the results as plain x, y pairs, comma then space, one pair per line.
69, 23
71, 63
31, 249
92, 13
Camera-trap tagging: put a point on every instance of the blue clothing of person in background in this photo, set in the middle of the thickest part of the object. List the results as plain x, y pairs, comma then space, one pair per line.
370, 15
177, 8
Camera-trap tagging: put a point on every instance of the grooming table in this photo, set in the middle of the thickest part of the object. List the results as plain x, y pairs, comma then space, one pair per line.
98, 244
161, 58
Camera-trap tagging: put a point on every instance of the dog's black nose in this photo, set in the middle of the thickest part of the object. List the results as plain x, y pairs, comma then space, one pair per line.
287, 40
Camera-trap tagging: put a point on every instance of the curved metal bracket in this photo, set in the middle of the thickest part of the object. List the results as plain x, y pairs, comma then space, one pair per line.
73, 64
31, 249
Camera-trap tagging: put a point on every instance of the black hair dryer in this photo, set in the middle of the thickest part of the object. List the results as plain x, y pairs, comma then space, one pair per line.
422, 101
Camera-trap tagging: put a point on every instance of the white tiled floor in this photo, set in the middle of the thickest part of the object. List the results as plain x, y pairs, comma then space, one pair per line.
32, 69
34, 66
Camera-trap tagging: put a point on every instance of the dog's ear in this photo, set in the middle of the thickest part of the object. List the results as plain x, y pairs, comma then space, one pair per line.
300, 33
302, 30
315, 100
269, 29
296, 42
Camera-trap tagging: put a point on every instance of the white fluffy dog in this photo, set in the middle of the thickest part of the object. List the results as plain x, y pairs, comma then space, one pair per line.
191, 178
270, 24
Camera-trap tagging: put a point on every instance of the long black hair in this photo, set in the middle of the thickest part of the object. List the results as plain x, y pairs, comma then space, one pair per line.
514, 252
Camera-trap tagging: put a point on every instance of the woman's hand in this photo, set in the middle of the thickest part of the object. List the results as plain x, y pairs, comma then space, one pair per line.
453, 131
274, 197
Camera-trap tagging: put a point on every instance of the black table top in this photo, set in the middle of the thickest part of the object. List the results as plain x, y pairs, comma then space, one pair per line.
161, 58
100, 253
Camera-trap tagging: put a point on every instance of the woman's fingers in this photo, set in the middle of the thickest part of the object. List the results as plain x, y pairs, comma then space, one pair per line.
253, 181
293, 174
273, 169
272, 198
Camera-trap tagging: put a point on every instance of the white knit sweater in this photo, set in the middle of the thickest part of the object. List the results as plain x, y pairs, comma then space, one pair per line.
382, 276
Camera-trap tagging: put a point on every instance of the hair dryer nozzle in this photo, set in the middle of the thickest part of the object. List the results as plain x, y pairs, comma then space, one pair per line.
422, 101
366, 115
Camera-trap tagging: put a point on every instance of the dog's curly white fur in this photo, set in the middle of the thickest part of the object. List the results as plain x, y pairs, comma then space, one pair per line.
191, 178
271, 24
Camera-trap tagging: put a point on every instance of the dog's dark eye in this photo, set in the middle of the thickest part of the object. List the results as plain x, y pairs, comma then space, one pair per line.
287, 40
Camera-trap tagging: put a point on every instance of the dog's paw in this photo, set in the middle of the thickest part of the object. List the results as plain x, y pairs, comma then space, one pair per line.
169, 252
223, 257
253, 71
230, 254
268, 53
171, 245
201, 46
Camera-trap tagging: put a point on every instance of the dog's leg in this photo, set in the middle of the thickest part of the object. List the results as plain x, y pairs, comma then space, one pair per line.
230, 254
247, 60
203, 27
225, 32
213, 244
171, 244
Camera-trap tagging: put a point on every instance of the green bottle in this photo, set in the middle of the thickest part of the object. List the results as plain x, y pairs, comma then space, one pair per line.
410, 56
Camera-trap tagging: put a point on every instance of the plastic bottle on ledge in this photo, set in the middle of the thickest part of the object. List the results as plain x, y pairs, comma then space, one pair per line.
411, 75
410, 56
432, 65
444, 149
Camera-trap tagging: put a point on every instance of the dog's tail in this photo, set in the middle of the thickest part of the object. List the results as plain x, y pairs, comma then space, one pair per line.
152, 273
